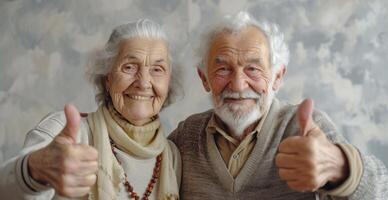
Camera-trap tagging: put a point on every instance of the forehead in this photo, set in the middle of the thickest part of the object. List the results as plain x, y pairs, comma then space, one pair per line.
249, 39
143, 46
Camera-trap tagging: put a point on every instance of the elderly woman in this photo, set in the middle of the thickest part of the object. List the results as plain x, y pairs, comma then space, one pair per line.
117, 152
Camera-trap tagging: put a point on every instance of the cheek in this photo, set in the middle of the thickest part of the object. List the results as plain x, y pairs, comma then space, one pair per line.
218, 84
261, 84
120, 83
161, 87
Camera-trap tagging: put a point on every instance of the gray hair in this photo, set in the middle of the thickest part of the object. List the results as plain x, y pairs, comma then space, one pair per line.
102, 60
279, 52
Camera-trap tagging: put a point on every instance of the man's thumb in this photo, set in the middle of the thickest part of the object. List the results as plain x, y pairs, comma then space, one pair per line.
73, 120
305, 118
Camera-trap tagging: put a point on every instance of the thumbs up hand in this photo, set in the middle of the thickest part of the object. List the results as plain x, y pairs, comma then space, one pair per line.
309, 161
70, 168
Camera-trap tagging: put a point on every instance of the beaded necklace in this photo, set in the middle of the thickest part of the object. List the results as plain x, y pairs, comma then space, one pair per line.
151, 184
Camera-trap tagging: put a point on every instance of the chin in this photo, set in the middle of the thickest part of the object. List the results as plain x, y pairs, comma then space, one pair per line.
239, 117
238, 120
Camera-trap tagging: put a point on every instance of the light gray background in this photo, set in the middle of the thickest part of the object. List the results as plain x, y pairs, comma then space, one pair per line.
339, 56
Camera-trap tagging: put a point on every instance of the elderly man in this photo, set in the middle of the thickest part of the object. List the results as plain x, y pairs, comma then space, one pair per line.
251, 145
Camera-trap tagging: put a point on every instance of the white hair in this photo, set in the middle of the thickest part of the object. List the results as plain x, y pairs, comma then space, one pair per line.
102, 60
279, 52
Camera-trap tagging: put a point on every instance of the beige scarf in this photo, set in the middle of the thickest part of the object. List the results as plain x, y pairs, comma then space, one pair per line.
110, 174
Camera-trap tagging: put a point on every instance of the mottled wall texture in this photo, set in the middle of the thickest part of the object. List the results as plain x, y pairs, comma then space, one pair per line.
339, 57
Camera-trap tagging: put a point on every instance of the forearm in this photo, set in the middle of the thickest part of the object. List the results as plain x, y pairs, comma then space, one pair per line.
368, 179
371, 180
374, 180
15, 182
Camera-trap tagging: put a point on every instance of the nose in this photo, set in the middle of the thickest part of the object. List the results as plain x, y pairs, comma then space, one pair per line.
143, 80
238, 82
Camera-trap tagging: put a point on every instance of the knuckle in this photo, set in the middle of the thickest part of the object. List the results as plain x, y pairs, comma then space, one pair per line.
93, 153
292, 186
69, 166
311, 176
61, 192
93, 179
281, 146
310, 165
315, 184
65, 192
309, 145
61, 182
85, 191
66, 152
281, 174
278, 160
95, 166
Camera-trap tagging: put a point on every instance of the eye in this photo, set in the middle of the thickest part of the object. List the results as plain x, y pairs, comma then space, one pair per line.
253, 70
157, 70
129, 68
223, 71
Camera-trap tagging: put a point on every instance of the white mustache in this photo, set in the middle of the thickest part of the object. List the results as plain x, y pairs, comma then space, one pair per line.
240, 95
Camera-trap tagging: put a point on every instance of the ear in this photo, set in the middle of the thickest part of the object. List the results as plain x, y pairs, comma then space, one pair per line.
279, 78
204, 80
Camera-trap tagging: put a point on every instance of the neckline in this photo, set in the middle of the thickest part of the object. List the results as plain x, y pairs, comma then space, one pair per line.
264, 137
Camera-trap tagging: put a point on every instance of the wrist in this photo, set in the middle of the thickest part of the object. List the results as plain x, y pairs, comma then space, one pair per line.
34, 169
340, 171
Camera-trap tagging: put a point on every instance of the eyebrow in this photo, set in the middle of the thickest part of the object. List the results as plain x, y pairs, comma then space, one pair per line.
220, 59
134, 57
160, 60
255, 60
128, 56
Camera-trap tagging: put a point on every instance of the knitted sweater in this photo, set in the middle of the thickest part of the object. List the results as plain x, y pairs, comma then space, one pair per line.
16, 183
205, 175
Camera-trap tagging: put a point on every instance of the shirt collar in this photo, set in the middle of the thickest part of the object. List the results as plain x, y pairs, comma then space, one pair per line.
215, 127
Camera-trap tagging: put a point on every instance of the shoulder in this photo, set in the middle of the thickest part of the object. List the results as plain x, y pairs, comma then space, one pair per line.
52, 123
194, 122
198, 117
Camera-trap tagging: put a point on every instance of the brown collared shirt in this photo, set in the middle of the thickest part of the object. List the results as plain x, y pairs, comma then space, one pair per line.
234, 152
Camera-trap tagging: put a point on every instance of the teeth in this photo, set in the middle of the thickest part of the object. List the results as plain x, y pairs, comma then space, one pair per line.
137, 97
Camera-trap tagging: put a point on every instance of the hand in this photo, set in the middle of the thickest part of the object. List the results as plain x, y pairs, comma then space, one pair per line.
309, 161
67, 166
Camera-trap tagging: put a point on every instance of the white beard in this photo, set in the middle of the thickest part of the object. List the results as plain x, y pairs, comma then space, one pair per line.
233, 115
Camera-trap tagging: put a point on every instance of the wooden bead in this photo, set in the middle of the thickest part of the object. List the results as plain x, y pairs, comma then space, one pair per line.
150, 187
134, 195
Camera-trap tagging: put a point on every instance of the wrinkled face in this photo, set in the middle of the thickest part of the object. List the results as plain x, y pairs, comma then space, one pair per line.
239, 74
139, 80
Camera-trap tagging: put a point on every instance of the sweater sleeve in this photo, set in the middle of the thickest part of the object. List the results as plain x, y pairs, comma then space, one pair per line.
368, 175
16, 182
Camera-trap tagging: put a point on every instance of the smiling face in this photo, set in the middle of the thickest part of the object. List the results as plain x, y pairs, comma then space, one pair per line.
239, 75
139, 80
